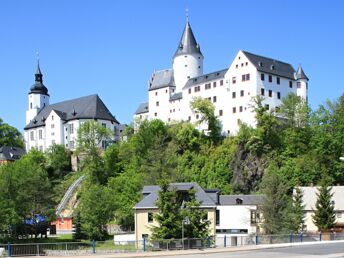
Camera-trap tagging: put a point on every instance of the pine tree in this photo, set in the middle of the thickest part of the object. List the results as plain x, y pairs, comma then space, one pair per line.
297, 214
198, 226
277, 203
324, 217
168, 217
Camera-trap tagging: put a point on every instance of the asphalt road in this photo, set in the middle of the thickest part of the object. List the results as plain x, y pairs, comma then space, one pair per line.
307, 251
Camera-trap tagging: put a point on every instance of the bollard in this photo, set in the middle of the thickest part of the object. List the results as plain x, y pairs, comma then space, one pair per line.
144, 244
290, 237
93, 246
301, 237
257, 239
225, 241
320, 236
9, 249
208, 242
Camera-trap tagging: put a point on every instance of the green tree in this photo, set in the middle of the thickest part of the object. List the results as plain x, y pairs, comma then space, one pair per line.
207, 111
324, 216
96, 210
58, 162
297, 211
25, 190
90, 135
295, 111
125, 189
276, 205
168, 216
10, 136
266, 137
198, 226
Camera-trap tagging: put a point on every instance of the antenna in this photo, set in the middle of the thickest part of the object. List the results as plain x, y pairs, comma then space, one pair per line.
187, 14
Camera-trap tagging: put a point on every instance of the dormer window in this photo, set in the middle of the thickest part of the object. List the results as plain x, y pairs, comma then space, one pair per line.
239, 201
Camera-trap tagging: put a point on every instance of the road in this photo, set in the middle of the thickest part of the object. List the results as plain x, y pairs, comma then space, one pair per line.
332, 250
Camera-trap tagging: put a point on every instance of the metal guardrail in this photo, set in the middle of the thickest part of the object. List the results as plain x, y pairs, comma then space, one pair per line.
68, 195
104, 247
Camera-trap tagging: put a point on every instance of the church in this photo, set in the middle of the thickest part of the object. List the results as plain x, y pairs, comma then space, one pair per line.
231, 90
48, 124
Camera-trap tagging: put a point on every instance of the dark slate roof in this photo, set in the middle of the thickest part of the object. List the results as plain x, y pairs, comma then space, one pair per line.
271, 66
205, 78
143, 108
150, 195
176, 96
300, 74
246, 199
11, 153
89, 107
38, 86
187, 43
161, 79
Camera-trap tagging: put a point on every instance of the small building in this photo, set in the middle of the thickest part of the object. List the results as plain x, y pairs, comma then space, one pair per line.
10, 154
310, 199
63, 225
145, 209
238, 215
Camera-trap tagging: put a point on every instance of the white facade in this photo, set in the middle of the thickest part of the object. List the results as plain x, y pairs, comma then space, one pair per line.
58, 123
230, 90
57, 131
238, 215
35, 103
186, 67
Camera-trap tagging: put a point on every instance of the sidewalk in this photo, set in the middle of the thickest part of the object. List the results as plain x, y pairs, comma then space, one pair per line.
196, 251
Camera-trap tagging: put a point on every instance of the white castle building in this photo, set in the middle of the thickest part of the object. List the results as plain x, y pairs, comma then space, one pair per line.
48, 124
231, 90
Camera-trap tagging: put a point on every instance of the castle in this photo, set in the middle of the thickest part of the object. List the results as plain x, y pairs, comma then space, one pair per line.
48, 124
231, 90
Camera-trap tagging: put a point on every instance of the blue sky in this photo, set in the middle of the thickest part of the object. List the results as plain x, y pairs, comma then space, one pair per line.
112, 47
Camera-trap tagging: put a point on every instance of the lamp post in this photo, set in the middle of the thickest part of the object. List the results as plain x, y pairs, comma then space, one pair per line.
185, 221
341, 158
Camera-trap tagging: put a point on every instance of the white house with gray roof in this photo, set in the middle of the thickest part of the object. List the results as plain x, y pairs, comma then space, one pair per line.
48, 124
238, 215
231, 90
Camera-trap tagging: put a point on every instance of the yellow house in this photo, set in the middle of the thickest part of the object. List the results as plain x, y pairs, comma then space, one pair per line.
146, 208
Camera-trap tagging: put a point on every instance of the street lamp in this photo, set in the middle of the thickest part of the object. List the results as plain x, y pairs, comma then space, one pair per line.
185, 221
341, 158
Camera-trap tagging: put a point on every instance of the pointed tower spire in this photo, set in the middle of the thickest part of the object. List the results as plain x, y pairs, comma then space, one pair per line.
300, 74
38, 86
38, 68
188, 43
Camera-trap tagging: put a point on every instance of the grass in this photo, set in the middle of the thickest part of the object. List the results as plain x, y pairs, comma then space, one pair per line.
109, 245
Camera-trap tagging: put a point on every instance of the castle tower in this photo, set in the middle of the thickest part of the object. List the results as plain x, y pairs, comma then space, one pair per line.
188, 59
38, 96
301, 84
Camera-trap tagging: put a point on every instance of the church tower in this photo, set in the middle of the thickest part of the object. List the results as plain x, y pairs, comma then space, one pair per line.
188, 59
38, 96
301, 84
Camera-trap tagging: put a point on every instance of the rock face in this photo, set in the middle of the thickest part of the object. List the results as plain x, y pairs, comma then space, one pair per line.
248, 170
